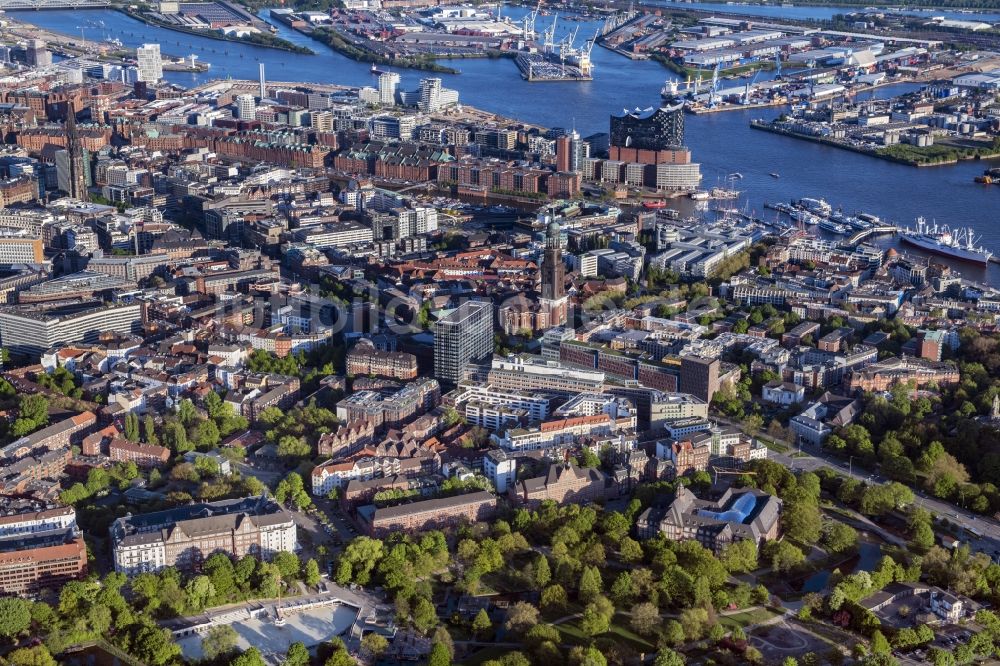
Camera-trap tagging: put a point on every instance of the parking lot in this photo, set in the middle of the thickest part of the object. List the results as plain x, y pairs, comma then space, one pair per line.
948, 638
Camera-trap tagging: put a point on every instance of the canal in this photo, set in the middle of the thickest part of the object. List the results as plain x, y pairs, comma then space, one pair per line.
721, 142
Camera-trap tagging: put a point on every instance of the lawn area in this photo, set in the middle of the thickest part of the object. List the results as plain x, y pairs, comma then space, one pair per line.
746, 618
773, 445
623, 633
619, 632
484, 655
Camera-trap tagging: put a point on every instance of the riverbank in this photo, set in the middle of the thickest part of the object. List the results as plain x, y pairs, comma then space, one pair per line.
101, 51
692, 73
973, 6
335, 41
263, 40
914, 156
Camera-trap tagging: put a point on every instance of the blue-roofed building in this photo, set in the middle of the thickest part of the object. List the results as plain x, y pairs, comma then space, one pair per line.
740, 514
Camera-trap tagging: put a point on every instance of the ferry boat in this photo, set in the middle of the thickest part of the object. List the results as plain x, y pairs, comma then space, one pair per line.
804, 217
818, 206
832, 227
957, 243
848, 221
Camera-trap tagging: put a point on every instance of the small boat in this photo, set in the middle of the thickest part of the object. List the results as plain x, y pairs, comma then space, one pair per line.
736, 176
723, 193
775, 175
700, 195
657, 203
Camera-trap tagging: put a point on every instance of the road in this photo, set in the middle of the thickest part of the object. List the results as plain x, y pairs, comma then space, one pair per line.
814, 458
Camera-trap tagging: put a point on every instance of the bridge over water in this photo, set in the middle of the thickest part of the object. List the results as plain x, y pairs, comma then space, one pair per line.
8, 5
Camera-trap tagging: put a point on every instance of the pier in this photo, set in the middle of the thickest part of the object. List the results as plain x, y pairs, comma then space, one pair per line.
881, 230
536, 67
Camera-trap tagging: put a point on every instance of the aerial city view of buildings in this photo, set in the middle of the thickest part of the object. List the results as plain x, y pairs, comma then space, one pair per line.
309, 372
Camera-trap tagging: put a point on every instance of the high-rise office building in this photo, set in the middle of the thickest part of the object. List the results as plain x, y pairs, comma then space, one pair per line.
246, 107
463, 336
31, 330
387, 84
149, 62
700, 376
563, 156
262, 92
38, 54
579, 150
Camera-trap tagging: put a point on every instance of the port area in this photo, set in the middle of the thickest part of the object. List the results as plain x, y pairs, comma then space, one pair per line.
416, 39
201, 19
912, 142
538, 67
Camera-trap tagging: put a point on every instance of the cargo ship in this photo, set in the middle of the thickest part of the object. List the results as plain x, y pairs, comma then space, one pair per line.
957, 244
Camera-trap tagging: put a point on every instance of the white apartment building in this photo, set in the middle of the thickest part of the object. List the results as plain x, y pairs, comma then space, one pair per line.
500, 469
149, 63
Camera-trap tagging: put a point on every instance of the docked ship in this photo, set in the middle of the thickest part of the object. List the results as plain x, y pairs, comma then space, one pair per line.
724, 193
832, 227
804, 217
817, 206
957, 244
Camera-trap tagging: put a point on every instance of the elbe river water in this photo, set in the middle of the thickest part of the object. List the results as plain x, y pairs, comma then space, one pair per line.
722, 142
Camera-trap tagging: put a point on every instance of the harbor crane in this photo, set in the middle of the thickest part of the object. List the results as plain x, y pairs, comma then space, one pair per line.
550, 35
529, 25
715, 85
746, 92
566, 43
